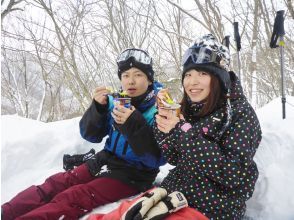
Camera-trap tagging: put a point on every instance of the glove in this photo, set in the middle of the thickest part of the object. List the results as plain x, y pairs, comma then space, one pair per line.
95, 163
69, 162
172, 203
144, 204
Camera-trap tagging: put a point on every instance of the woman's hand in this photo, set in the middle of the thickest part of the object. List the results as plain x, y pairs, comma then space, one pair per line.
166, 120
120, 113
100, 95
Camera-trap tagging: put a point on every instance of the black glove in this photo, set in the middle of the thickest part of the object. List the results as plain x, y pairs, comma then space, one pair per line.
95, 163
157, 208
69, 162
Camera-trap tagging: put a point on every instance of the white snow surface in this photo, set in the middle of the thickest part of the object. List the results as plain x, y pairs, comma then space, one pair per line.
33, 150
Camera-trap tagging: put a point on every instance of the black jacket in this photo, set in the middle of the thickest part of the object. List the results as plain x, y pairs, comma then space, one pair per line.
216, 174
131, 153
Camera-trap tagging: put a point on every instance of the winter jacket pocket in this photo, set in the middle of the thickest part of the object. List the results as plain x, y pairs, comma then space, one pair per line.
211, 127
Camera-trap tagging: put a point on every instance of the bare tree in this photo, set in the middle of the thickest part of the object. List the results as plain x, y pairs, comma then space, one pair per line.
66, 31
46, 66
211, 18
19, 83
56, 52
11, 6
169, 46
289, 4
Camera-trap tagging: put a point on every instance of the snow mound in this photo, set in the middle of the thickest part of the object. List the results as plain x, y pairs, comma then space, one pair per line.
32, 151
273, 197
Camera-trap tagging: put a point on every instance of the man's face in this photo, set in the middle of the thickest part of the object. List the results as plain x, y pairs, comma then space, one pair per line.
134, 82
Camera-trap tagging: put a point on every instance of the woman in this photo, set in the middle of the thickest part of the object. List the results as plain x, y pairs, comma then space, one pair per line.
211, 145
127, 165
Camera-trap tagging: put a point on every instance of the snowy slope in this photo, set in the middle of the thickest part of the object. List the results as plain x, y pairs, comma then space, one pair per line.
33, 150
274, 194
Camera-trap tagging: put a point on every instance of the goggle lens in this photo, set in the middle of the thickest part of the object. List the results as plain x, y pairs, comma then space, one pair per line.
140, 56
201, 55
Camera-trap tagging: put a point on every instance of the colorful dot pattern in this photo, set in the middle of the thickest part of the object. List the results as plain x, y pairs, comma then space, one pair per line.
217, 177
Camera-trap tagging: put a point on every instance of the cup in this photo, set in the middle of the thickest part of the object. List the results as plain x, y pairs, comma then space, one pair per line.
126, 102
168, 103
176, 108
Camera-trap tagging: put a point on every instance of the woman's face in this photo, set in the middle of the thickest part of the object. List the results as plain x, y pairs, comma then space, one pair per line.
197, 85
134, 82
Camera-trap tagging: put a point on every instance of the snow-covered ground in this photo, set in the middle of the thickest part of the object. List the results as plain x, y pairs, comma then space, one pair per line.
32, 150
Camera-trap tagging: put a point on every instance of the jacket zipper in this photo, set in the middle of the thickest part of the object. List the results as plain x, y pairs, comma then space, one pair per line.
125, 148
115, 143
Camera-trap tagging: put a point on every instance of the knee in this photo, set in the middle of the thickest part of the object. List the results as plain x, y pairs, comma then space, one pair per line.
76, 196
53, 185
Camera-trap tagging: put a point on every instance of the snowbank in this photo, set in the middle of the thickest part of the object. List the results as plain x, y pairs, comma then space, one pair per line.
274, 193
33, 150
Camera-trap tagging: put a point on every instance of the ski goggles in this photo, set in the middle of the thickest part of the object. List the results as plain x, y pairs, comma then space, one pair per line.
201, 55
138, 55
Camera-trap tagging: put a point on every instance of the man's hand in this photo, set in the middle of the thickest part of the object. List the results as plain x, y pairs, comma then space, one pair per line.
95, 163
120, 113
100, 95
69, 162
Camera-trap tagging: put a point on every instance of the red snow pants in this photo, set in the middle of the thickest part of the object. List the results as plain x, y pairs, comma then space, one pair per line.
65, 195
183, 214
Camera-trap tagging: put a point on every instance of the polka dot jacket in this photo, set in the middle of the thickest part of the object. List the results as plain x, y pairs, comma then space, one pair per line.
216, 174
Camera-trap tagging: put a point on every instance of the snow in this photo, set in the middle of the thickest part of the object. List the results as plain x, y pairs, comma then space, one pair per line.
33, 150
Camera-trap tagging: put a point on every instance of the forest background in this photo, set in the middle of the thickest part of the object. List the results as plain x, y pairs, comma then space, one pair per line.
54, 53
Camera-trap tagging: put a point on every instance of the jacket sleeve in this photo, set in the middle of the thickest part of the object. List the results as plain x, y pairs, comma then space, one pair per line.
139, 135
224, 162
94, 124
167, 145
